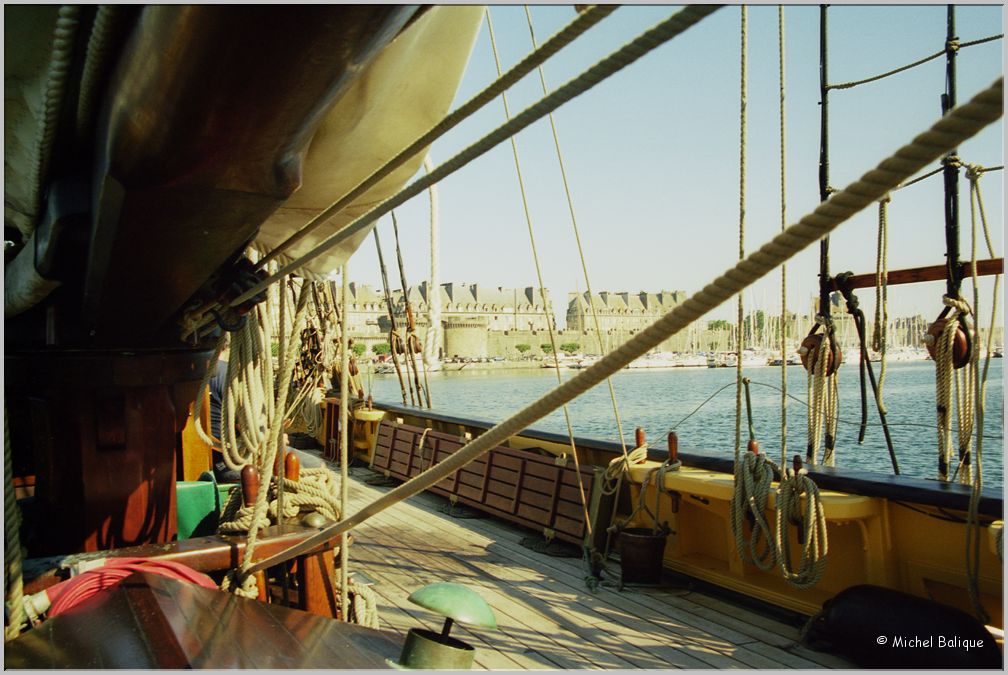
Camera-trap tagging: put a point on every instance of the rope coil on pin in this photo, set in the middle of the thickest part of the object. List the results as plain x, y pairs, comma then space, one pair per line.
811, 522
754, 474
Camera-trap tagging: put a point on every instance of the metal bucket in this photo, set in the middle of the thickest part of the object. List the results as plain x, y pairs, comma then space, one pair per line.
425, 649
641, 551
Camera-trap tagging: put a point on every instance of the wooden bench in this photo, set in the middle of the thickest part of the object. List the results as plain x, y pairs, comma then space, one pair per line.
523, 486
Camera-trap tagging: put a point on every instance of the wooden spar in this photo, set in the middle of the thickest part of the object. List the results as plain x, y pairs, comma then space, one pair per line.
411, 339
915, 275
391, 314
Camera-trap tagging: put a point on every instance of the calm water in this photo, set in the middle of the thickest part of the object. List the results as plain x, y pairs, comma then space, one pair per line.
657, 400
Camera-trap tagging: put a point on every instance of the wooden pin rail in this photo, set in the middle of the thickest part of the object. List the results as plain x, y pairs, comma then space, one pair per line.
915, 275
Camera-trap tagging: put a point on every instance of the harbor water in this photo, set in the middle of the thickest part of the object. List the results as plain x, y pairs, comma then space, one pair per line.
660, 400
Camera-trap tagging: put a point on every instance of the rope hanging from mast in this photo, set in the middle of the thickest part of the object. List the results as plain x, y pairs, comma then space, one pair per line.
974, 531
820, 352
948, 338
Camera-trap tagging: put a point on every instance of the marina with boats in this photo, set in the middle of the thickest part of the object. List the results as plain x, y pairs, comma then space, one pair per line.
203, 460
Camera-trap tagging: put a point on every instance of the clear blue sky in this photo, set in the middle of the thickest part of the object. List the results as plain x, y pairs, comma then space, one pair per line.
653, 154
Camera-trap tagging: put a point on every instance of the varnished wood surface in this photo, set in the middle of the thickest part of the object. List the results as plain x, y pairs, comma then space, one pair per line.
204, 554
154, 622
546, 616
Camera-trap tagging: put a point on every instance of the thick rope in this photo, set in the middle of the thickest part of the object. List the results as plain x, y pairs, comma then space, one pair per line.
963, 45
948, 132
577, 239
880, 331
13, 578
344, 430
64, 36
363, 604
567, 35
944, 380
783, 225
813, 521
610, 65
820, 387
539, 277
107, 23
739, 333
753, 480
265, 459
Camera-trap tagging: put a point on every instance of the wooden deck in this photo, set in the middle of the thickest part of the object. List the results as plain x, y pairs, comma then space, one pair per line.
547, 618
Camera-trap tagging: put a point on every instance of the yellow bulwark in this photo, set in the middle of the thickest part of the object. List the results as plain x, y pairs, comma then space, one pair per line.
908, 547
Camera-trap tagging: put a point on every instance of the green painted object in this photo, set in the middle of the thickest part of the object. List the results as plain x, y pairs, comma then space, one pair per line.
197, 510
456, 602
426, 650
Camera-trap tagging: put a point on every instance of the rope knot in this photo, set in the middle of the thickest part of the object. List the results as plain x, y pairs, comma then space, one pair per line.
974, 171
885, 199
952, 160
957, 304
952, 46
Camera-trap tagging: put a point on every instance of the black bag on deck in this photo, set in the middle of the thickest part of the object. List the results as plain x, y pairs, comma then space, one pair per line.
878, 627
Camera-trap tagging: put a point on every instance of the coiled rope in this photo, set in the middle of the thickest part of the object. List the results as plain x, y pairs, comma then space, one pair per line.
945, 379
363, 604
263, 454
958, 125
813, 540
754, 473
823, 401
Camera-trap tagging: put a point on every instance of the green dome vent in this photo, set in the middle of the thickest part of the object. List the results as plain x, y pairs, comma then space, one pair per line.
457, 602
425, 649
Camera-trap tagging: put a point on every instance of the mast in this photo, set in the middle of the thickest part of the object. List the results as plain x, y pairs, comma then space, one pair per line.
432, 343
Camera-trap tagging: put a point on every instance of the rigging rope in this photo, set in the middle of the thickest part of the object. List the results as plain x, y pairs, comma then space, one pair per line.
739, 332
608, 66
974, 530
344, 431
960, 124
542, 286
577, 239
783, 226
813, 521
956, 46
880, 332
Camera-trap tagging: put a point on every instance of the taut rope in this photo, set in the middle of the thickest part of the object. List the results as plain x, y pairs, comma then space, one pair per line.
539, 277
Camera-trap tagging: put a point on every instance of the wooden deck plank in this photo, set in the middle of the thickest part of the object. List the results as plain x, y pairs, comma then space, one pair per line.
523, 611
394, 589
496, 649
548, 617
627, 630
